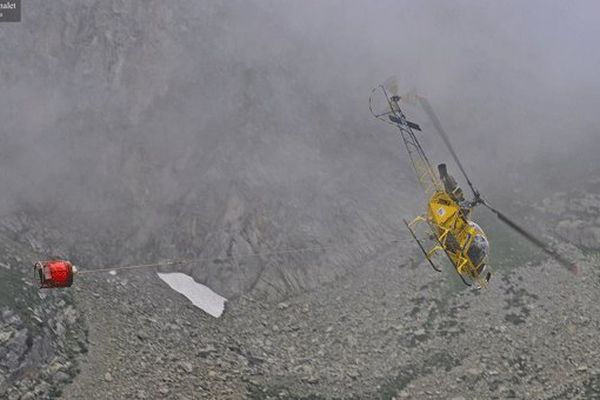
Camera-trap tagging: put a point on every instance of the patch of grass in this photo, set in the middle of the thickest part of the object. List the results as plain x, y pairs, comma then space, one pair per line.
508, 249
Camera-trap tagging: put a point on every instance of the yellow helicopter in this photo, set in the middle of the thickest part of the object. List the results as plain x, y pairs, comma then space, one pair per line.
448, 212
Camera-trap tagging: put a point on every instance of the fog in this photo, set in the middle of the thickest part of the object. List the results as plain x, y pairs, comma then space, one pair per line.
135, 113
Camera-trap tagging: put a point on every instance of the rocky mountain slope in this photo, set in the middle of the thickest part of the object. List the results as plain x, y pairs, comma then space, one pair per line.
148, 143
136, 132
130, 140
41, 332
391, 329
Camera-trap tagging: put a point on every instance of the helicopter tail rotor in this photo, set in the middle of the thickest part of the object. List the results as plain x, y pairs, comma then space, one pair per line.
391, 85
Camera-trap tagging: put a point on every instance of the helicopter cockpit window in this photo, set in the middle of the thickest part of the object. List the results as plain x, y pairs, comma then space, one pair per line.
478, 250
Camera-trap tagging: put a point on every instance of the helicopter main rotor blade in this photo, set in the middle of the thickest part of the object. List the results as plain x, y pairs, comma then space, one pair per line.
438, 127
537, 242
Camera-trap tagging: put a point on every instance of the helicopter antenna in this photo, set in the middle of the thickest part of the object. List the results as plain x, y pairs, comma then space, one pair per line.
438, 127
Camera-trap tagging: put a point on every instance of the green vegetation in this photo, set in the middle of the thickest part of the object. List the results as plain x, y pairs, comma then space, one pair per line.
508, 249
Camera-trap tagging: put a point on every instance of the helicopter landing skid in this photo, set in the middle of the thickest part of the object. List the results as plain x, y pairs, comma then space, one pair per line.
462, 278
427, 256
445, 250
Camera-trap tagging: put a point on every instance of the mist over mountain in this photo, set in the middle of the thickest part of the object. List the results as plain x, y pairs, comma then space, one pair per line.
141, 131
116, 100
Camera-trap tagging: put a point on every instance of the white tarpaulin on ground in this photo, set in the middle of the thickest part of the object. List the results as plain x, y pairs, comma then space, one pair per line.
201, 296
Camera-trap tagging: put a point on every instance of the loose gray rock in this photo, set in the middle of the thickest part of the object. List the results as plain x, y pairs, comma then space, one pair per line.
186, 367
60, 377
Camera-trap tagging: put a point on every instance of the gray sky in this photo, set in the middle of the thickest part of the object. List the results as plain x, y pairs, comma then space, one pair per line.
525, 66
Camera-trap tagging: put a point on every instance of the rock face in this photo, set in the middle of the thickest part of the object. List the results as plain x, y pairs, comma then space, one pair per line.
40, 331
144, 132
392, 329
581, 233
174, 147
141, 132
578, 215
